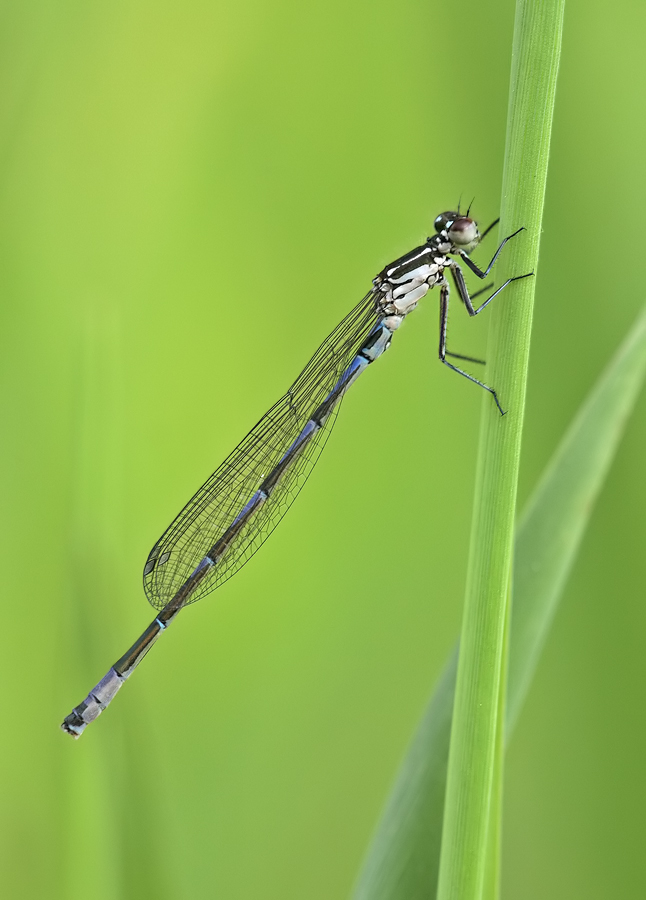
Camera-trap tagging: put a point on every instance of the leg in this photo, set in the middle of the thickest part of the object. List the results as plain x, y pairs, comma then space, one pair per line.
487, 230
463, 291
476, 269
482, 290
480, 362
444, 318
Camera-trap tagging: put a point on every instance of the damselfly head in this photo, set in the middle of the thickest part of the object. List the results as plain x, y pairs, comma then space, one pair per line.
461, 230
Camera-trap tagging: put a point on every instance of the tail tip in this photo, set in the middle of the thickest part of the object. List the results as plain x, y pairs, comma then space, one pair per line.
74, 725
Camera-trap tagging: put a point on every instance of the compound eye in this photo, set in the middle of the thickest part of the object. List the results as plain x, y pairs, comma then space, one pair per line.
444, 220
463, 231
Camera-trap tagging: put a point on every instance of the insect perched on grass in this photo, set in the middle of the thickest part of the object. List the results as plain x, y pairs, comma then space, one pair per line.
239, 506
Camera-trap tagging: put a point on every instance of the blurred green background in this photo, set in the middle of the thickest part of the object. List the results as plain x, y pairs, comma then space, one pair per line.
193, 194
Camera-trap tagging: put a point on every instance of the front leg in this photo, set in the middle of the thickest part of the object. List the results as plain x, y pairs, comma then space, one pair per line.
487, 230
476, 269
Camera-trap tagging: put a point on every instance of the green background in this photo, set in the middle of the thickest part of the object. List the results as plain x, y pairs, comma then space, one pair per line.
192, 195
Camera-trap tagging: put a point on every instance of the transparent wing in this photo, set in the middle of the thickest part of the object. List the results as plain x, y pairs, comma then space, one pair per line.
217, 503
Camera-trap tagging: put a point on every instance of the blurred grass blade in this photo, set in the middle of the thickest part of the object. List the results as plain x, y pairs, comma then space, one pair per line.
403, 860
552, 525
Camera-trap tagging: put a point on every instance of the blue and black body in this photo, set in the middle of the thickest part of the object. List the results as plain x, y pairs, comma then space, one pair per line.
239, 506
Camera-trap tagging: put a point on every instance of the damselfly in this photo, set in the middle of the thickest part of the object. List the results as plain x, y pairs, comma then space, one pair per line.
236, 510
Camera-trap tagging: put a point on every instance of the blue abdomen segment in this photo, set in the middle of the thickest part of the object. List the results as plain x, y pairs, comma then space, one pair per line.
377, 343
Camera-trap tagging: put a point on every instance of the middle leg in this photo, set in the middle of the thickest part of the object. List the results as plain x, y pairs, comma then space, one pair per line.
463, 291
444, 320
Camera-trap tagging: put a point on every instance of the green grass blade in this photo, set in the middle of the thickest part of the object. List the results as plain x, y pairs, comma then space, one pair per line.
492, 873
476, 748
402, 863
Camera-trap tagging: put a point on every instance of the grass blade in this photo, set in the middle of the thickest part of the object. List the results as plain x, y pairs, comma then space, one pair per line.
475, 751
403, 860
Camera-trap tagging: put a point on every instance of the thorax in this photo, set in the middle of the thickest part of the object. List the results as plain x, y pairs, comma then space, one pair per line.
402, 283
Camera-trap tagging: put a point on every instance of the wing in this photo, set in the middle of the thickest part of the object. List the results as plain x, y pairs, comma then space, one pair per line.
220, 499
